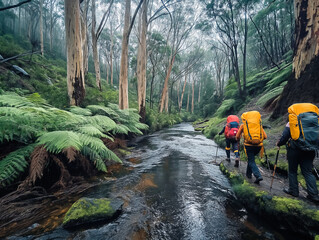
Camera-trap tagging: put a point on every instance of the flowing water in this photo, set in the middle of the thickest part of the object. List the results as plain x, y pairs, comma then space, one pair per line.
172, 191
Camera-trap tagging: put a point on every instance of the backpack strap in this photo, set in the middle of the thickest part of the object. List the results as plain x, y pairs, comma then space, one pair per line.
300, 127
248, 130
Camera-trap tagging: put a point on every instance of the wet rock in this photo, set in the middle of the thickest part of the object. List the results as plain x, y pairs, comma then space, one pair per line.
92, 210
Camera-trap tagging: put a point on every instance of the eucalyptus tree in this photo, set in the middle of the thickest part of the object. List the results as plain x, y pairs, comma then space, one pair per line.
123, 81
180, 28
226, 14
75, 73
304, 83
95, 33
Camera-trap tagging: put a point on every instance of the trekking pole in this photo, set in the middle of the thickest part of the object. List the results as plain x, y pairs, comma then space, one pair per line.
316, 171
273, 174
267, 159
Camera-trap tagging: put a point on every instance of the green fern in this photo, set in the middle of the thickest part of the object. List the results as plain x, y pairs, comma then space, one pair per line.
80, 111
57, 141
120, 129
103, 121
101, 110
13, 164
14, 100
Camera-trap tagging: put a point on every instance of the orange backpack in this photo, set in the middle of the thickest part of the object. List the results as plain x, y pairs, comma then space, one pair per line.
253, 130
231, 128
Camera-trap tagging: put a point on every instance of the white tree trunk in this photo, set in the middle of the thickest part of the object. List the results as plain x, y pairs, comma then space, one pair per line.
75, 78
41, 27
141, 62
123, 82
95, 50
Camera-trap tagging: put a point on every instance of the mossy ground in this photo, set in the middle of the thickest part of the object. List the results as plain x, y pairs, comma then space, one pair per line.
284, 211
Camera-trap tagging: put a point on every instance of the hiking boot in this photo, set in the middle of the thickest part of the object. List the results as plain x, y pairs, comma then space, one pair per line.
236, 163
314, 199
228, 159
286, 190
258, 180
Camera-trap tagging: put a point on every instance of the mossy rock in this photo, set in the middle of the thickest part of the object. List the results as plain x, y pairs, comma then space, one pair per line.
91, 210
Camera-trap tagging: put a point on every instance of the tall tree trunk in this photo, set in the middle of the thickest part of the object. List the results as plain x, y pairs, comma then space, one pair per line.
75, 78
51, 24
181, 101
193, 95
304, 83
123, 84
95, 50
245, 50
141, 63
199, 88
178, 87
111, 54
84, 31
166, 101
187, 105
165, 88
41, 26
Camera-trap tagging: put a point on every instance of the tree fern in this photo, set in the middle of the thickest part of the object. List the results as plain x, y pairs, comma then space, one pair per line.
105, 122
94, 131
97, 145
120, 129
14, 164
57, 141
101, 110
81, 111
96, 158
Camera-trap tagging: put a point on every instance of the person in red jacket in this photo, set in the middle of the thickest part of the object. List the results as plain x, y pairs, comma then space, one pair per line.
230, 130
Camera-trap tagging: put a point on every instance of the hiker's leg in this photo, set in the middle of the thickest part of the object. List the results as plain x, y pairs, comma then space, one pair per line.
227, 148
251, 152
306, 169
292, 156
235, 148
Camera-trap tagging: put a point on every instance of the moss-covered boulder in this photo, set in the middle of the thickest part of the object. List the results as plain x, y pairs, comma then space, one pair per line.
91, 210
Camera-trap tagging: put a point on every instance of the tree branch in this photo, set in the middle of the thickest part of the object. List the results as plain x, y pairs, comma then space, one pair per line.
14, 6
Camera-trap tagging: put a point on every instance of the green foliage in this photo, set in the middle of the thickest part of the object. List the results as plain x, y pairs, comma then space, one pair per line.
14, 164
226, 107
31, 121
157, 121
269, 95
215, 125
279, 77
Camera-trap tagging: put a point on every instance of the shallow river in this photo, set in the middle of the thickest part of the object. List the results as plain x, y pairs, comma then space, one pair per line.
172, 191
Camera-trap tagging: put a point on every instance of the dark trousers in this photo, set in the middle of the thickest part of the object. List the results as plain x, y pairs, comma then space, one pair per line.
235, 147
252, 168
305, 159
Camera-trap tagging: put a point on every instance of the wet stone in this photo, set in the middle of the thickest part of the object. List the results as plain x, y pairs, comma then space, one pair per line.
91, 210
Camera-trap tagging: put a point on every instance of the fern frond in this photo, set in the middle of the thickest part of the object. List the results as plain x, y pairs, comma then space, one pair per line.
101, 110
135, 130
70, 153
141, 126
98, 147
14, 164
93, 156
120, 129
103, 121
57, 141
80, 111
94, 131
39, 158
14, 100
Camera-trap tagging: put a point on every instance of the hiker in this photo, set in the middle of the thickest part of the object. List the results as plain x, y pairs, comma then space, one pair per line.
230, 130
254, 135
301, 147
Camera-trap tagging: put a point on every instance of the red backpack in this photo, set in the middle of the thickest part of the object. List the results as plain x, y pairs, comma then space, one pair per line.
232, 126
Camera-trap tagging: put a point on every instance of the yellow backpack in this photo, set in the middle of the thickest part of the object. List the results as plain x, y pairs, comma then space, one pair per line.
304, 126
253, 130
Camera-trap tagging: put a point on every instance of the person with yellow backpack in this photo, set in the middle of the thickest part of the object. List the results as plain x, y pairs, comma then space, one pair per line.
230, 131
254, 136
301, 136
